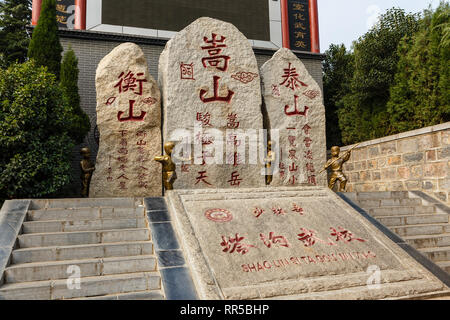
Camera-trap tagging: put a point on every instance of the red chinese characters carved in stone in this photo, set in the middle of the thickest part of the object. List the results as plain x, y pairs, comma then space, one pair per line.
234, 244
291, 80
312, 180
278, 211
202, 177
204, 118
187, 71
297, 209
258, 212
272, 239
307, 142
235, 181
306, 128
214, 49
295, 112
344, 235
131, 117
309, 238
130, 82
216, 96
232, 122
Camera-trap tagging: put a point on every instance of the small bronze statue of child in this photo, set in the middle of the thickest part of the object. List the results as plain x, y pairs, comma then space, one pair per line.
87, 168
336, 163
269, 160
168, 166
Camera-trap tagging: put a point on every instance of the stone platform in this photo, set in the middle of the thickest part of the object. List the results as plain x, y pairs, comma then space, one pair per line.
291, 243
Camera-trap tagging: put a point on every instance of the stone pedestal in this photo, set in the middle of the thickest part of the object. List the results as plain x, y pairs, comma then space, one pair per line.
290, 243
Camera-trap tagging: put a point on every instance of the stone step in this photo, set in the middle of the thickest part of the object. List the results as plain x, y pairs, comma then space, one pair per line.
142, 295
428, 241
423, 229
53, 270
395, 211
439, 254
34, 240
37, 204
444, 266
82, 225
389, 203
357, 196
61, 253
403, 220
84, 214
88, 287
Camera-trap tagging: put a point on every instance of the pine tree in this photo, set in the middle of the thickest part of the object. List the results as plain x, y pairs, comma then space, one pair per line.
15, 15
420, 95
79, 124
45, 47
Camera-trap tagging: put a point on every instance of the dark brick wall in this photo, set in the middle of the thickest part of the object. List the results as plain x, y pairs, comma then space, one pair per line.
90, 51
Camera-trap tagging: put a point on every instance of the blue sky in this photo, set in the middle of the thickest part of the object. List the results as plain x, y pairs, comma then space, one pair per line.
343, 21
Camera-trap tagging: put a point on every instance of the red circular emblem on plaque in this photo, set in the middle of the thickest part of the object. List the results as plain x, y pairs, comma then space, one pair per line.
219, 215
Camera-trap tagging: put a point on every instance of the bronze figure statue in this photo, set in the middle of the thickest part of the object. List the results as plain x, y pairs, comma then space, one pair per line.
270, 158
336, 163
168, 166
87, 168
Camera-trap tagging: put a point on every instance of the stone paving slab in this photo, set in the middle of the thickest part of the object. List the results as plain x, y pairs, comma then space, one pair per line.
294, 243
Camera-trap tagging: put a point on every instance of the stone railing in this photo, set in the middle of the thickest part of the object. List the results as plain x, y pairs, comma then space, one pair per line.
414, 160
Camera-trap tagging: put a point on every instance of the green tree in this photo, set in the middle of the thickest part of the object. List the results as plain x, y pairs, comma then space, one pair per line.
363, 115
15, 15
79, 125
36, 147
337, 74
420, 95
45, 47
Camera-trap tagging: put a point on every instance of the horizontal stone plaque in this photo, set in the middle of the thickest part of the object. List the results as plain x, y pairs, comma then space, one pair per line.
290, 243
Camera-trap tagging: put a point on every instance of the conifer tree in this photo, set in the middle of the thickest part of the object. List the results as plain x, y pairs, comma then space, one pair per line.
45, 47
15, 15
79, 124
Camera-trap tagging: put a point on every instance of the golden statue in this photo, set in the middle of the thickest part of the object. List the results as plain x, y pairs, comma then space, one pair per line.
169, 173
336, 163
270, 158
87, 168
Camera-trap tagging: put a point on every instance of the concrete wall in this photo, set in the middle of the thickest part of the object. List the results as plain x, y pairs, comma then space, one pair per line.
414, 160
91, 47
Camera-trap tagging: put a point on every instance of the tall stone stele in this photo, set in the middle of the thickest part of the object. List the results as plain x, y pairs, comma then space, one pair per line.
129, 122
210, 82
295, 107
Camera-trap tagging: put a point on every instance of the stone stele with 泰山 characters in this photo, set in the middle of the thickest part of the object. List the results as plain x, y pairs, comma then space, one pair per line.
295, 107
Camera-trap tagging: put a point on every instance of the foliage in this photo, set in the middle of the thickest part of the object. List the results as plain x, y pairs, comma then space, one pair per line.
421, 94
337, 74
15, 15
79, 124
363, 115
36, 147
45, 47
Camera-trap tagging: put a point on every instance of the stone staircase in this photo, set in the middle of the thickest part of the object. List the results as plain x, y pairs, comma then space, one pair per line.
423, 222
106, 242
